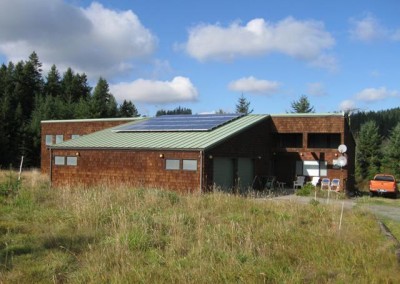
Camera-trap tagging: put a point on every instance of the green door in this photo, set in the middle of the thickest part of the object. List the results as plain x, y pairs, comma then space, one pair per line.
223, 174
245, 173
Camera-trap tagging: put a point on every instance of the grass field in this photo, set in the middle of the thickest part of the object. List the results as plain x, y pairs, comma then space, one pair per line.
125, 235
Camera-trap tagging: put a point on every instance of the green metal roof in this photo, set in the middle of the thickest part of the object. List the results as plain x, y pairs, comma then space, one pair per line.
93, 120
189, 140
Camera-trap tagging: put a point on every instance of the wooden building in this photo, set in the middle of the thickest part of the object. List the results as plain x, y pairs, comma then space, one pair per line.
230, 155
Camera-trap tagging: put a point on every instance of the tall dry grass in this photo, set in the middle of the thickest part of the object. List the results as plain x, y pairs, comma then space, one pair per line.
125, 235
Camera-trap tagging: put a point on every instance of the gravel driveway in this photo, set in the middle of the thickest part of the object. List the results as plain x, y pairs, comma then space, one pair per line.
385, 211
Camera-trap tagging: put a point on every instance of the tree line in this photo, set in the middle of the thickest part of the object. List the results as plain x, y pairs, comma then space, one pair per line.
27, 97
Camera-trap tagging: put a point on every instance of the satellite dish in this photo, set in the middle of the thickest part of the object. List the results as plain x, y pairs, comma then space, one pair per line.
342, 161
342, 148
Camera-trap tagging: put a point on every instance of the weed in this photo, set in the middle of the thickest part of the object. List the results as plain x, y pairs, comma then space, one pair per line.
125, 235
305, 190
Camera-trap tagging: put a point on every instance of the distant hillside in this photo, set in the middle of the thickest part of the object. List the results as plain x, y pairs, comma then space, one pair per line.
385, 119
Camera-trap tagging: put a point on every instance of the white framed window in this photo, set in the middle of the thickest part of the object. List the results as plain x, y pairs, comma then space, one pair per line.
74, 136
59, 138
172, 164
323, 168
189, 165
312, 168
59, 160
72, 161
49, 139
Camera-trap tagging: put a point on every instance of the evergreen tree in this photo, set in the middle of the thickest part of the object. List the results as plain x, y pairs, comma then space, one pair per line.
178, 110
128, 109
368, 153
302, 105
392, 151
103, 102
243, 106
52, 86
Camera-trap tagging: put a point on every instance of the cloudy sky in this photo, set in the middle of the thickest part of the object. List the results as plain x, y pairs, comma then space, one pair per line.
204, 54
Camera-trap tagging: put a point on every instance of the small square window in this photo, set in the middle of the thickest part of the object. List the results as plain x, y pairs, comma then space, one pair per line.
74, 136
72, 161
59, 160
49, 139
190, 165
171, 164
59, 138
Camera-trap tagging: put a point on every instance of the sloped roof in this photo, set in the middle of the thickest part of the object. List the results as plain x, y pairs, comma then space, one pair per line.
187, 140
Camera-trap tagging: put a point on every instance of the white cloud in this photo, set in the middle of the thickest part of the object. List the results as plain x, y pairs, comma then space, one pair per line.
369, 29
180, 89
366, 29
374, 94
347, 105
305, 40
254, 85
95, 40
316, 89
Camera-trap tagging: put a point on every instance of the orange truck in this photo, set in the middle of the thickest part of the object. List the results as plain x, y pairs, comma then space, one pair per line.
383, 184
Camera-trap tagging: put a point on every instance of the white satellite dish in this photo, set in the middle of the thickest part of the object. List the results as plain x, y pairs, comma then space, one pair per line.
342, 148
342, 161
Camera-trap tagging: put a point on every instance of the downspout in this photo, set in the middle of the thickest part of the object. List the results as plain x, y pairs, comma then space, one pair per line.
51, 166
201, 171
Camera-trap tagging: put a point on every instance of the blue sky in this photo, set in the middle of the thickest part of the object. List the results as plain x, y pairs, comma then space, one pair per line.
204, 54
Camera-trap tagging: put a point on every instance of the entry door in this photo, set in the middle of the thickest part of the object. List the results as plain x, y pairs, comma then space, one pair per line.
223, 173
245, 173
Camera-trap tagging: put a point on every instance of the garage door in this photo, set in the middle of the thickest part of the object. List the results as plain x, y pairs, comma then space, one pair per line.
245, 173
223, 173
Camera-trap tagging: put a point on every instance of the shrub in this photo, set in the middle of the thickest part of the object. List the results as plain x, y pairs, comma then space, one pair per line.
305, 190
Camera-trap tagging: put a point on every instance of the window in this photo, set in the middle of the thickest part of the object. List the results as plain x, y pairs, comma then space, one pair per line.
59, 160
72, 161
59, 138
289, 140
49, 139
312, 168
171, 164
189, 165
323, 140
74, 136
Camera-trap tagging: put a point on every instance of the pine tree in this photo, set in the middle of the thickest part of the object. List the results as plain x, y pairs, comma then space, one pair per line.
243, 106
52, 86
392, 151
128, 109
302, 105
103, 102
368, 153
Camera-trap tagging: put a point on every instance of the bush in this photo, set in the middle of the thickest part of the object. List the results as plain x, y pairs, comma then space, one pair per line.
305, 190
10, 185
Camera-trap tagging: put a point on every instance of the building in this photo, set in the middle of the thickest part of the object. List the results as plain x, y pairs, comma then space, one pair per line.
230, 154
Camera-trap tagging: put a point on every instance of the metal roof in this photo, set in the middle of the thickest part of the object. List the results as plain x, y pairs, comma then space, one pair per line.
189, 140
94, 120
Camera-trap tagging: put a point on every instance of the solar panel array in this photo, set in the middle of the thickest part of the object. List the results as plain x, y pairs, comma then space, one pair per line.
198, 122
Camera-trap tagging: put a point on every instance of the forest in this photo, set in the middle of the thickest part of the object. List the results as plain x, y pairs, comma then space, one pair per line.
27, 96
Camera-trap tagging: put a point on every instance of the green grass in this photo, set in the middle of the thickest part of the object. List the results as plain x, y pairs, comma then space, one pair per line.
125, 235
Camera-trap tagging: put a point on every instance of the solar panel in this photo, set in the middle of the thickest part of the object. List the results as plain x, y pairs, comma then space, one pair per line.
183, 122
